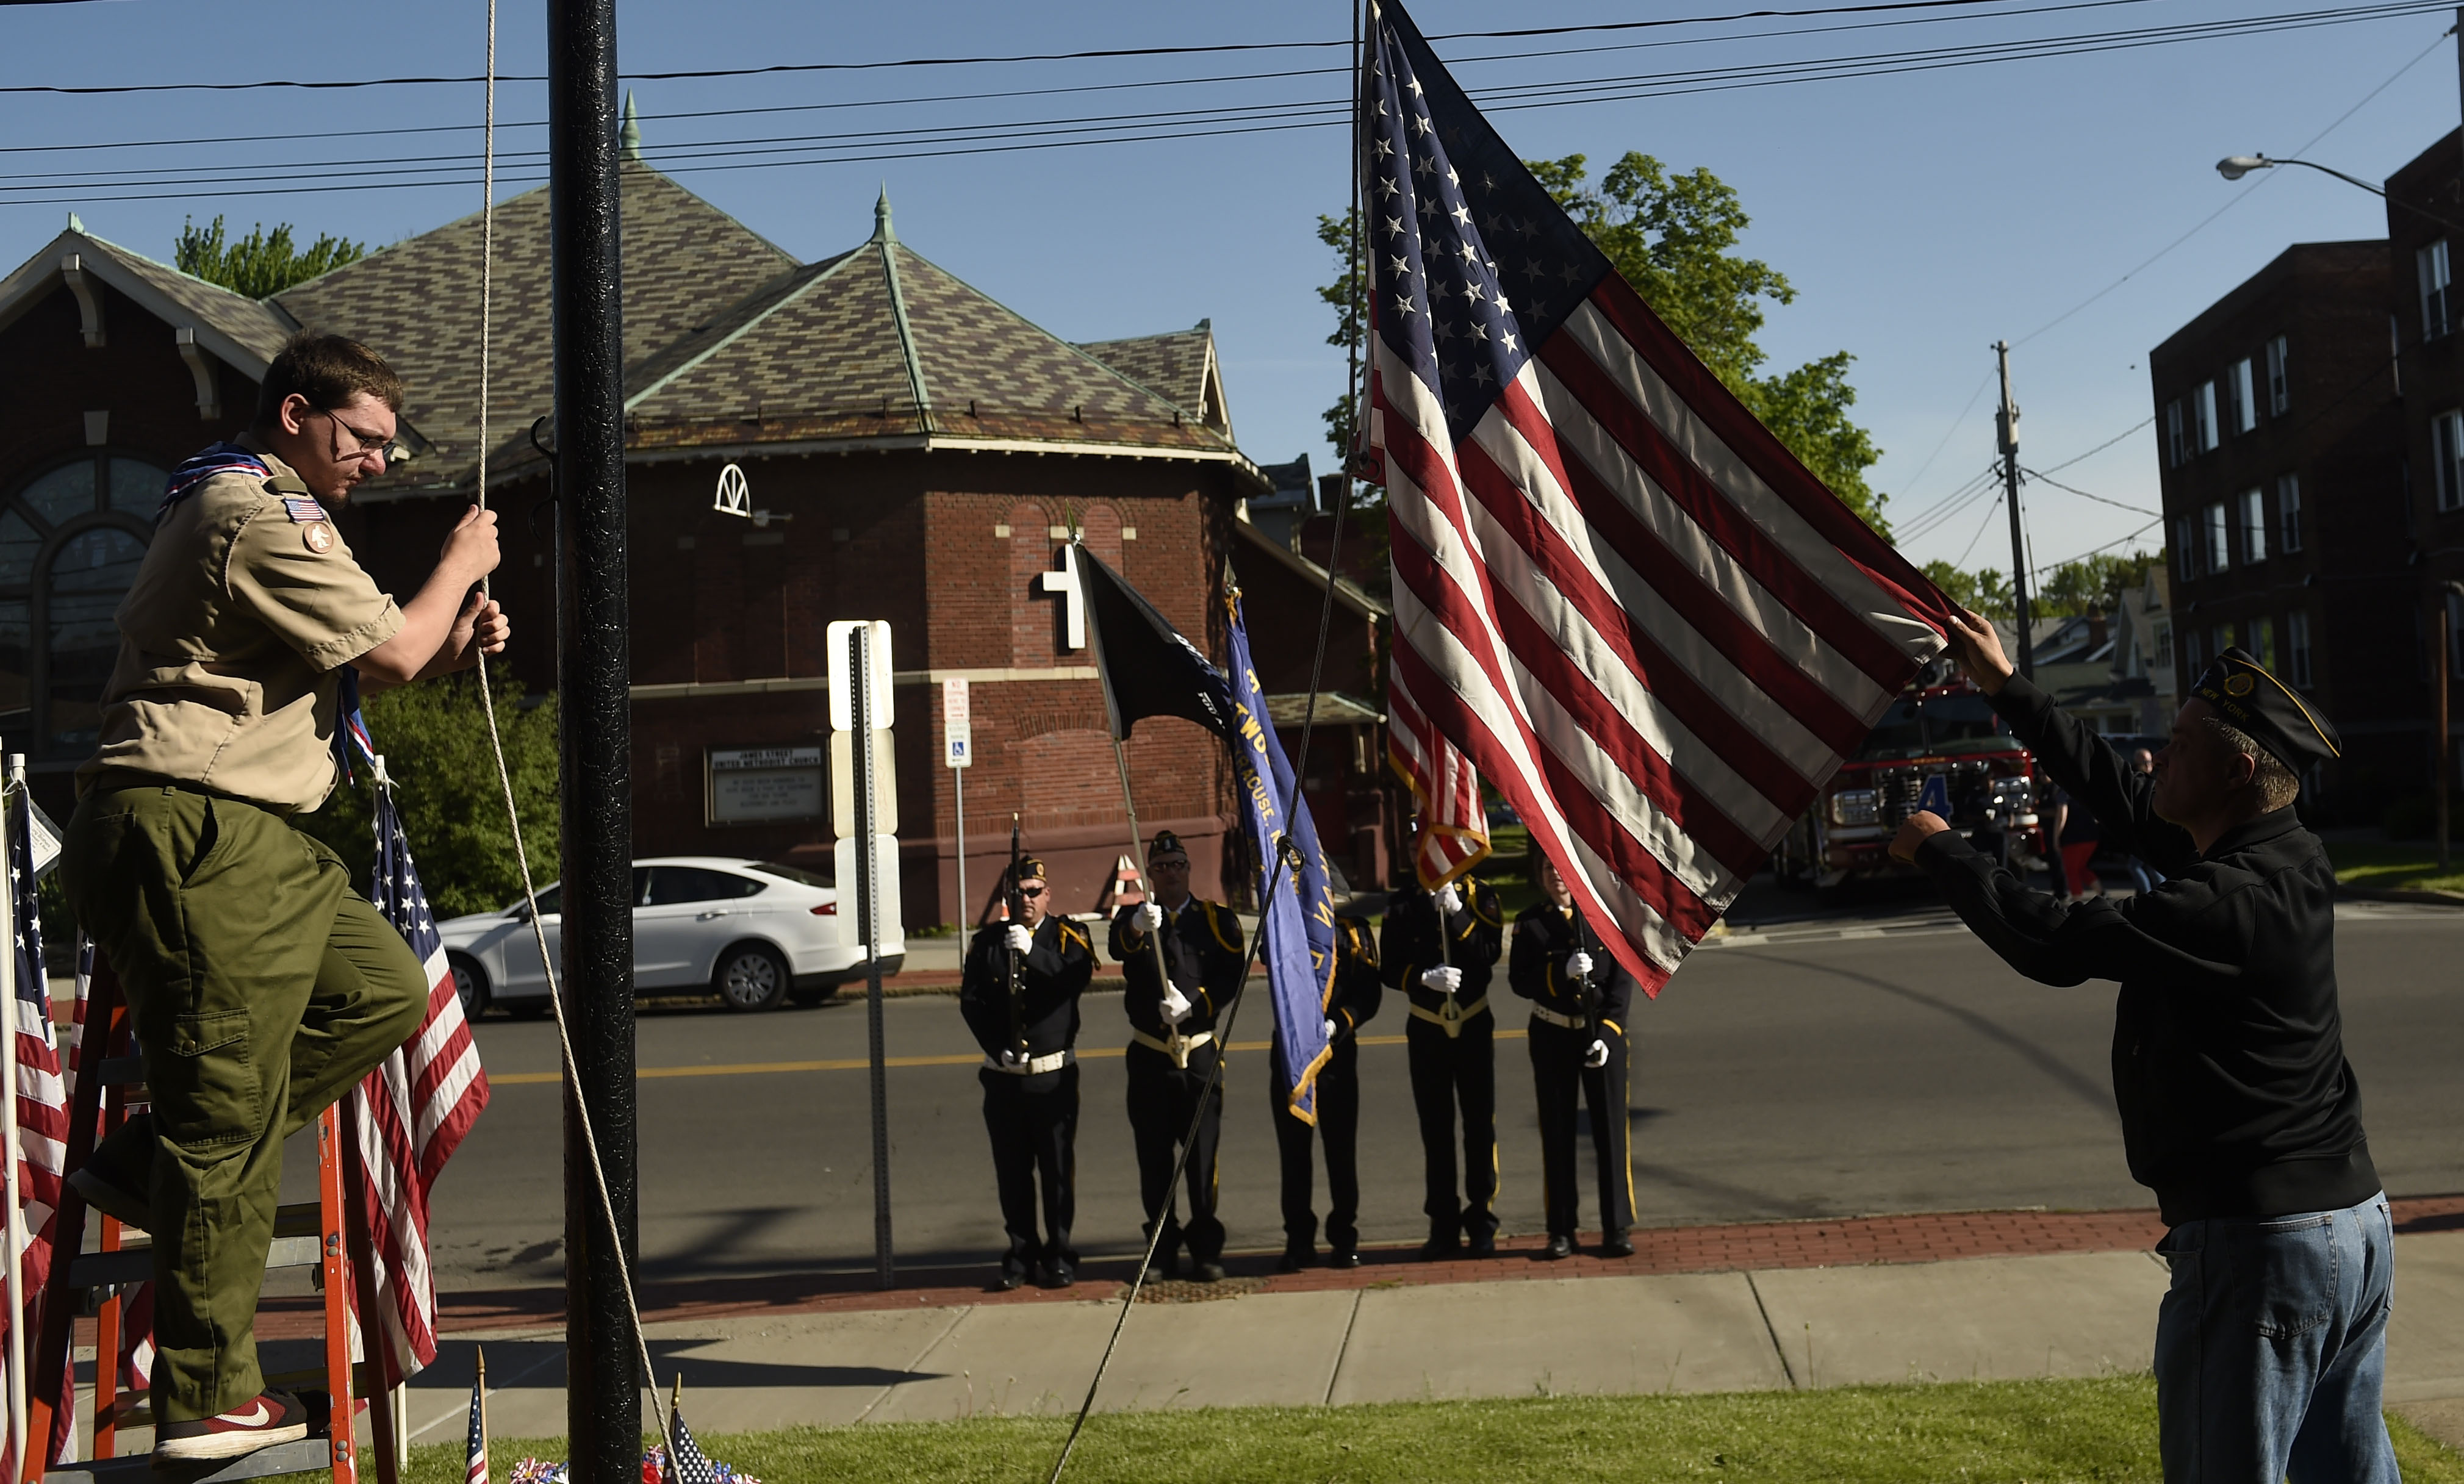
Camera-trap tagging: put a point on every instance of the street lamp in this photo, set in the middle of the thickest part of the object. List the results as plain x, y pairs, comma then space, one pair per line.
2233, 167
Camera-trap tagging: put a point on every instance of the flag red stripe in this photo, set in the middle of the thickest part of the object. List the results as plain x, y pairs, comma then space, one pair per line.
1766, 456
1693, 492
1704, 608
1584, 810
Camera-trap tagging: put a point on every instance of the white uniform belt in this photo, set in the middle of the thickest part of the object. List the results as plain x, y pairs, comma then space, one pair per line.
1176, 1045
1452, 1017
1032, 1066
1544, 1013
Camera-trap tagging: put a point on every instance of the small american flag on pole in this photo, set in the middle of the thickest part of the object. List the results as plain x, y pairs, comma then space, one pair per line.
1632, 610
475, 1448
412, 1111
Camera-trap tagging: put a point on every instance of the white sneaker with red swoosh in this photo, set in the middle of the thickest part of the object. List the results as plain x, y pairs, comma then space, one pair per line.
273, 1417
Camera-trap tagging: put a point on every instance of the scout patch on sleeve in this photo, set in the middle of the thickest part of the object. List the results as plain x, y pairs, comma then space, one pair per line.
320, 537
303, 512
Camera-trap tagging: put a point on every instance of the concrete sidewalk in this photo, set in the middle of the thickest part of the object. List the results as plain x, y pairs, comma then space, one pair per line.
1786, 1305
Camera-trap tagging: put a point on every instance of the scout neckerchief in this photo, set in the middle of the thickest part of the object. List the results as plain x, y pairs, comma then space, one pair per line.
221, 458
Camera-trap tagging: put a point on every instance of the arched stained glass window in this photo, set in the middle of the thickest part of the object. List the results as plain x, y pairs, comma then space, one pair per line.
70, 540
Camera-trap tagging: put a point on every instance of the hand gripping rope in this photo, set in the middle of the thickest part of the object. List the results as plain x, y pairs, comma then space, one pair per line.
505, 773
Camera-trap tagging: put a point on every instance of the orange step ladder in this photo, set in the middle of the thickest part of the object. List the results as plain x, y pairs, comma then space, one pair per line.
329, 1235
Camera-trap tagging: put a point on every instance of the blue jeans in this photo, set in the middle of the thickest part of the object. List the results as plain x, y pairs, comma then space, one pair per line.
2271, 1347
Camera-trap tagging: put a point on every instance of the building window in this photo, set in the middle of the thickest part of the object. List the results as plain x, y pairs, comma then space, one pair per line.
2279, 390
70, 543
2288, 512
2219, 537
2186, 549
2431, 265
2446, 459
2177, 442
2164, 645
2221, 638
2254, 528
2260, 638
2203, 414
2296, 646
2241, 396
2193, 660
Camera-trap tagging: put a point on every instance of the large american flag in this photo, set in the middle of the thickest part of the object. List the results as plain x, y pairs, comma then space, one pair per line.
411, 1111
1635, 613
42, 1100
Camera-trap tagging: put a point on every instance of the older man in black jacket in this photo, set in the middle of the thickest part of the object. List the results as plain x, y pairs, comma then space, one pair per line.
2237, 1106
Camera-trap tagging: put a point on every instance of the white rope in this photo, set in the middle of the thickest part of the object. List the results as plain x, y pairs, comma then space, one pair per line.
504, 773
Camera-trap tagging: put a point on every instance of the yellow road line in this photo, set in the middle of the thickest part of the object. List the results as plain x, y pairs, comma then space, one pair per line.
859, 1063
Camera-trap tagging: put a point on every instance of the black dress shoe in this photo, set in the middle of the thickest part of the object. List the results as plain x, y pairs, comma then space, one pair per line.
1559, 1247
1619, 1246
1060, 1275
1485, 1247
1436, 1251
1295, 1258
1206, 1271
1343, 1258
1008, 1281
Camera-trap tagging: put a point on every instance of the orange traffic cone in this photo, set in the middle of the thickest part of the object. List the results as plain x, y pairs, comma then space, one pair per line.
1127, 890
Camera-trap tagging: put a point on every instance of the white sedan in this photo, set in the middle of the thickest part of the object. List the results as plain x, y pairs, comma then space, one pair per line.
749, 931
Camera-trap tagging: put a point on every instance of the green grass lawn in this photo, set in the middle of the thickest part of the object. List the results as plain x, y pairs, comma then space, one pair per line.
2036, 1432
2410, 864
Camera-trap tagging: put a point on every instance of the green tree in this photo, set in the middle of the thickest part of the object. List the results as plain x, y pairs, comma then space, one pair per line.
2092, 581
1984, 591
1674, 238
434, 739
1345, 295
261, 264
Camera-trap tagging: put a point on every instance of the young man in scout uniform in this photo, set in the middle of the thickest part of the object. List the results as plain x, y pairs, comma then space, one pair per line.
1031, 1072
1173, 1049
1580, 999
261, 984
1356, 993
2237, 1106
1452, 1042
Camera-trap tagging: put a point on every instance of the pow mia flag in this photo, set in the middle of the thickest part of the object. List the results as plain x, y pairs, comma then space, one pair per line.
1149, 669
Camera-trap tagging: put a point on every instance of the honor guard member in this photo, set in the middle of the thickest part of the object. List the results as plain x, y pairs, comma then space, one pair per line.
1027, 1023
1173, 1049
1452, 1040
1355, 998
1579, 999
2237, 1106
262, 986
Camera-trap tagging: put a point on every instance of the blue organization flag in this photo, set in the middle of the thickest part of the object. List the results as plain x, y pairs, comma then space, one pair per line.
1296, 923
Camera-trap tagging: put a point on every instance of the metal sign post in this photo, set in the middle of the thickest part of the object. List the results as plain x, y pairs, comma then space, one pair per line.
959, 753
862, 798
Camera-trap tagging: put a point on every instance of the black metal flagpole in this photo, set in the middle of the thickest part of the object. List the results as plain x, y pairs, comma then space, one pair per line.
602, 1399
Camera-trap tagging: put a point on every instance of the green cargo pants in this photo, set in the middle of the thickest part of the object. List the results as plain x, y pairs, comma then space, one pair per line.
262, 988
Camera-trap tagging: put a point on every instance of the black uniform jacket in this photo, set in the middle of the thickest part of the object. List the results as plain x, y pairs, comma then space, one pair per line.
2228, 1052
1050, 979
1474, 938
1202, 945
1358, 989
1545, 936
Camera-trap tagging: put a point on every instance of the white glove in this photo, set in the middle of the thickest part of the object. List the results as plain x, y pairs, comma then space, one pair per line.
1175, 1004
1149, 917
1009, 1058
1021, 941
1445, 979
1449, 900
1577, 963
1330, 1032
1597, 1057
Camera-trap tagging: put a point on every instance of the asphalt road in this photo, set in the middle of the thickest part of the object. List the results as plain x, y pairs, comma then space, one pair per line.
1816, 1069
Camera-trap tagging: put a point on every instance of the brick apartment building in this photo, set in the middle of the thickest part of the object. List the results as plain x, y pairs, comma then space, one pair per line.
2424, 242
2280, 427
914, 451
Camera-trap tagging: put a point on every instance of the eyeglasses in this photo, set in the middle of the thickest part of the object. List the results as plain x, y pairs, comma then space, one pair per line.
363, 443
1030, 891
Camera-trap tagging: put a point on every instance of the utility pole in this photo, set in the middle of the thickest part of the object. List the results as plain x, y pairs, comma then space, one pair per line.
603, 1395
2006, 433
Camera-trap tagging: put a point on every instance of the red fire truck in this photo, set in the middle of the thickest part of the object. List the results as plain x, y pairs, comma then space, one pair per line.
1939, 746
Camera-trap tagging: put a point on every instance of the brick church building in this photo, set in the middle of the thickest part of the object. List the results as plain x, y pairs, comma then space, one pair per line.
913, 452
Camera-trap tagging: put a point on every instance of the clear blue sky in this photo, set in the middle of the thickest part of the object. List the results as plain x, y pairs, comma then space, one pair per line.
1921, 216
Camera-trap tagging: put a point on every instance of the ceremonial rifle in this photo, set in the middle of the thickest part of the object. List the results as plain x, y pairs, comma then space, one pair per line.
1017, 961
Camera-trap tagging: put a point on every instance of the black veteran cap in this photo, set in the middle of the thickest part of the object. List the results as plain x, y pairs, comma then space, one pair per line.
2266, 710
1031, 868
1167, 843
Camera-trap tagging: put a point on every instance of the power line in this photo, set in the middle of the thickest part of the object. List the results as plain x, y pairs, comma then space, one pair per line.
1126, 128
2136, 509
2106, 547
1980, 528
1097, 54
2078, 458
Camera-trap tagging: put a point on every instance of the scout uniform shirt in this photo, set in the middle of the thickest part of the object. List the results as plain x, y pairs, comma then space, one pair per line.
247, 605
